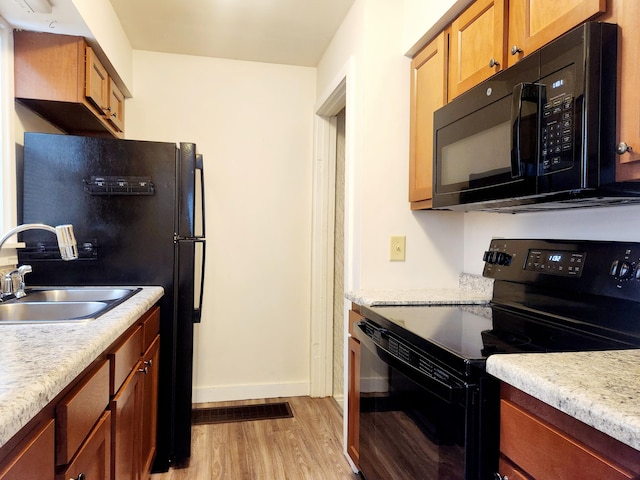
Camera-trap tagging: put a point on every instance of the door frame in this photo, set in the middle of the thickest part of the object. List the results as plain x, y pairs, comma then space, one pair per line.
339, 95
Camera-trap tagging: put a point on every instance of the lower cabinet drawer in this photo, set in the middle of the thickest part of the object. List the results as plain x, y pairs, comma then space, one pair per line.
150, 327
123, 358
93, 460
543, 451
79, 411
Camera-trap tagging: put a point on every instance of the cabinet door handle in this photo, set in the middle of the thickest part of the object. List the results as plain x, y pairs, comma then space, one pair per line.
144, 370
497, 476
80, 476
515, 50
623, 148
493, 63
148, 363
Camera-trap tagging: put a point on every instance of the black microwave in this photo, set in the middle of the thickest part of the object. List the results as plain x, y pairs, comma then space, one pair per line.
539, 135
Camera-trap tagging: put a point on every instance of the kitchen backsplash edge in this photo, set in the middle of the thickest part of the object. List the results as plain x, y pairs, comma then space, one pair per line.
472, 289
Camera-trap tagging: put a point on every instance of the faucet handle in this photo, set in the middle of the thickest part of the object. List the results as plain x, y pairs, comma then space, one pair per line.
24, 269
13, 282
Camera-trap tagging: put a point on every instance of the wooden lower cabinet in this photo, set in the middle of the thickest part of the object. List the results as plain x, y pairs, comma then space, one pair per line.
126, 446
105, 420
134, 405
353, 394
93, 460
539, 442
151, 367
34, 459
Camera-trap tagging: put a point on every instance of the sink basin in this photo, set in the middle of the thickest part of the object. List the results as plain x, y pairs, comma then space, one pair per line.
63, 304
76, 294
45, 312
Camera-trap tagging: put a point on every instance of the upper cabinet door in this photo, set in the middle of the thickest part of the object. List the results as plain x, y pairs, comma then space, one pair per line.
428, 93
478, 45
534, 23
97, 82
626, 13
115, 111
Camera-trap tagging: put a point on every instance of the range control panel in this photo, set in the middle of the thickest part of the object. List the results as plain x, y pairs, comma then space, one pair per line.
555, 262
590, 266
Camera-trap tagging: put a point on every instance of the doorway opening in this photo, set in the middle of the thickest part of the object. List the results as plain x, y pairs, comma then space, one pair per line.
338, 262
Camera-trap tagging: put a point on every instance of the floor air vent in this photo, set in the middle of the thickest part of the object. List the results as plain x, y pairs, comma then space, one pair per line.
242, 413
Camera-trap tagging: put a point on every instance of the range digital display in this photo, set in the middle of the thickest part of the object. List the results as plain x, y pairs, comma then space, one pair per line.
555, 262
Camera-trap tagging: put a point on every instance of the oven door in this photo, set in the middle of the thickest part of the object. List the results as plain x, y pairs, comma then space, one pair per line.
411, 425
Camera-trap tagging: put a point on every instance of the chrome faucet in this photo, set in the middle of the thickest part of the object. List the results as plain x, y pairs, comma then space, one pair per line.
13, 283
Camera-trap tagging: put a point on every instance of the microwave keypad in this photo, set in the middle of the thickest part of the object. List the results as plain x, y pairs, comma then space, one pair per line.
557, 134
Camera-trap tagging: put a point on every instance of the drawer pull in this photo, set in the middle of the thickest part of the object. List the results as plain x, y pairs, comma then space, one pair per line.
80, 476
144, 370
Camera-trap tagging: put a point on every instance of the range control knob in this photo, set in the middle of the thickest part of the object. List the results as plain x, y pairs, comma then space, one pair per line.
504, 259
615, 268
621, 269
497, 258
625, 271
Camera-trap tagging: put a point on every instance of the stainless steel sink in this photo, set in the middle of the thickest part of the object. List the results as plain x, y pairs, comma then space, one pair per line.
46, 312
66, 304
76, 294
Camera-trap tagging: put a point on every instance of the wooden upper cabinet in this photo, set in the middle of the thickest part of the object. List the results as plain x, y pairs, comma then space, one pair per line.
96, 87
115, 111
428, 93
60, 78
626, 13
477, 46
534, 23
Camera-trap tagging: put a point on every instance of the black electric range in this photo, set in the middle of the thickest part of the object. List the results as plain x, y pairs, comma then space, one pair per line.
548, 296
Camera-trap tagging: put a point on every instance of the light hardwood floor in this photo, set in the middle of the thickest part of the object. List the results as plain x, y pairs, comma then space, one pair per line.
305, 447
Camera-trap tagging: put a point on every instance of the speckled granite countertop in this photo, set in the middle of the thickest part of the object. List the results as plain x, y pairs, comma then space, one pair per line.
601, 389
472, 289
38, 361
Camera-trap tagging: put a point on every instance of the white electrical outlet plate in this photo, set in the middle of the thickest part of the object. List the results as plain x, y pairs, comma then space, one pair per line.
397, 252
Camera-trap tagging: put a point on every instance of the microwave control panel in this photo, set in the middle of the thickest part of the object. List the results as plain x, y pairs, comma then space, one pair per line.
557, 134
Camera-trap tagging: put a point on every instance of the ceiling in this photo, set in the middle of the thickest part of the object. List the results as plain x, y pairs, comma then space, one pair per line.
293, 32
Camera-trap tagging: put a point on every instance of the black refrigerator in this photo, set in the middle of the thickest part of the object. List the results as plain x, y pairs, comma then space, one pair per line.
137, 209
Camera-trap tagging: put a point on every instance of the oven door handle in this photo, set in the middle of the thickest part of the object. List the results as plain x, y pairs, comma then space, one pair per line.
453, 393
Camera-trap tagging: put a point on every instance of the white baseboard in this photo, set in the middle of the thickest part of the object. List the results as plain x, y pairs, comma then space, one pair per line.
227, 393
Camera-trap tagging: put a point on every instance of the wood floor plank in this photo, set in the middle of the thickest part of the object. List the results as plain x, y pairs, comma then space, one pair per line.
305, 447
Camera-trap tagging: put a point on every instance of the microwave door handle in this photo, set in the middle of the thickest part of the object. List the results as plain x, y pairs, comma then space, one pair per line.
524, 105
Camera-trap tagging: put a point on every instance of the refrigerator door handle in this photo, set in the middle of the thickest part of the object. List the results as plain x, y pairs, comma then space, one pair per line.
197, 311
200, 169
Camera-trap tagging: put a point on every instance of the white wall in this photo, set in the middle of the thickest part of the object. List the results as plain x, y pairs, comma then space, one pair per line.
377, 180
253, 124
